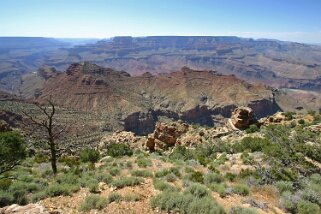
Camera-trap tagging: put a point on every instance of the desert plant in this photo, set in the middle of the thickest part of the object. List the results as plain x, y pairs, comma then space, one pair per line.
243, 210
306, 207
118, 150
241, 189
93, 202
114, 197
197, 190
89, 155
12, 150
126, 181
142, 173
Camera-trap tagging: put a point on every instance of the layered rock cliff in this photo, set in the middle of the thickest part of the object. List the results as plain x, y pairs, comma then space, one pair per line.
137, 102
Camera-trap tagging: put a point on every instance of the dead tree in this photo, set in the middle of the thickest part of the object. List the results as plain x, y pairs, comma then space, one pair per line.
45, 126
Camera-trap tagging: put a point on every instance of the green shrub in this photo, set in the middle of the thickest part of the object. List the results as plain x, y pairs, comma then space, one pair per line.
301, 121
195, 176
114, 171
143, 162
289, 115
127, 181
243, 210
39, 196
185, 203
118, 150
5, 183
165, 172
93, 186
197, 190
162, 185
114, 197
89, 155
41, 158
171, 177
241, 189
12, 150
103, 177
181, 153
93, 202
219, 188
306, 207
246, 158
211, 178
204, 205
67, 178
252, 128
6, 198
141, 173
57, 189
131, 197
70, 161
284, 186
253, 144
230, 176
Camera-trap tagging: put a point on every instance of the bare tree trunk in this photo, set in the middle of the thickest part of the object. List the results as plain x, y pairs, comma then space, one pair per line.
53, 157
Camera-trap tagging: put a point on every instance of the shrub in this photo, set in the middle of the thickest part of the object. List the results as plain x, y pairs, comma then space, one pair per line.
197, 190
284, 186
67, 178
246, 158
143, 162
93, 202
41, 158
93, 186
195, 176
171, 177
241, 189
89, 155
142, 173
131, 197
39, 196
181, 153
306, 207
219, 188
204, 205
12, 150
289, 115
114, 197
230, 176
162, 185
253, 144
127, 181
211, 178
5, 183
243, 210
118, 150
301, 121
165, 172
6, 198
56, 189
252, 128
114, 171
103, 177
185, 203
70, 161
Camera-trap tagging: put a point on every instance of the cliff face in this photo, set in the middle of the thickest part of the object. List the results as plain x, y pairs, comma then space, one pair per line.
137, 102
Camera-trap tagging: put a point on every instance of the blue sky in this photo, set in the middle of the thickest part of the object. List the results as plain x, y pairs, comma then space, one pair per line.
291, 20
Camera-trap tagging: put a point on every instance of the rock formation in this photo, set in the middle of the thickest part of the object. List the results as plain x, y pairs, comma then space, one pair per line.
27, 209
137, 102
165, 135
242, 118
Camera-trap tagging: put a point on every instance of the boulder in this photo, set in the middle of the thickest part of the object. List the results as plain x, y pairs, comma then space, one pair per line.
242, 118
27, 209
165, 135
